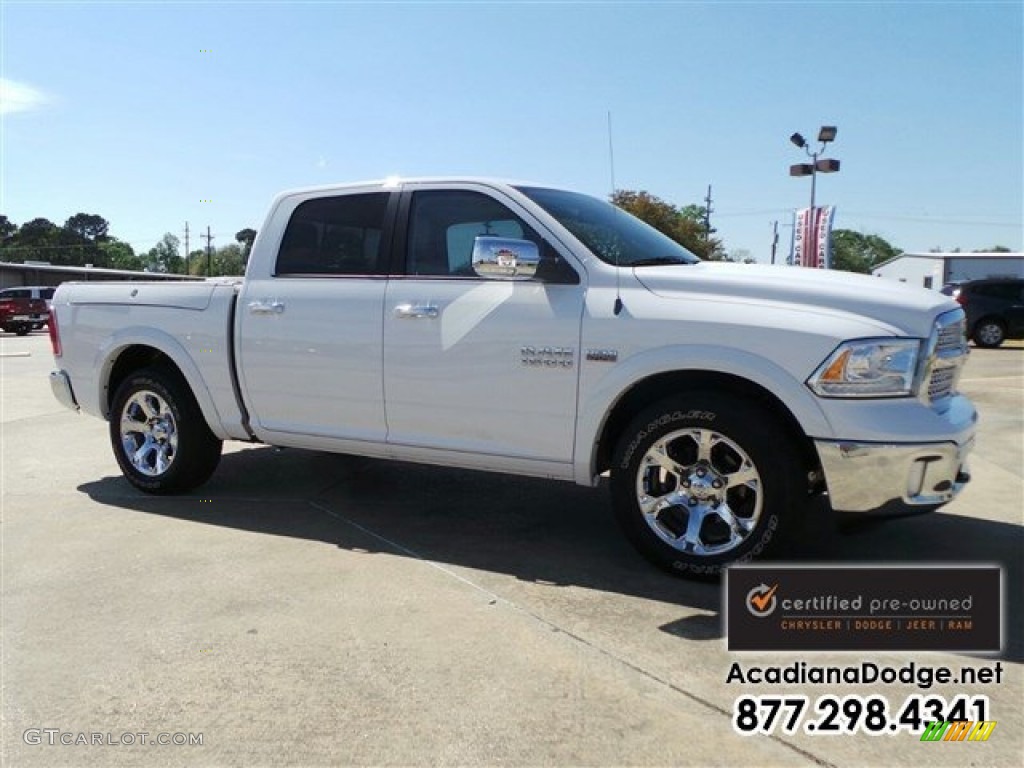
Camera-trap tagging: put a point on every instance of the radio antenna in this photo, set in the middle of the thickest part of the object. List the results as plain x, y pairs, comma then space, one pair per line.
611, 171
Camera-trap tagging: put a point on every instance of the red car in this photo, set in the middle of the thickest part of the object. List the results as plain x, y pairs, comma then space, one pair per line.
25, 308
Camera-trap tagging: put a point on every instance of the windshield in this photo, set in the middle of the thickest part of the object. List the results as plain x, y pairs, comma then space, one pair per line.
614, 236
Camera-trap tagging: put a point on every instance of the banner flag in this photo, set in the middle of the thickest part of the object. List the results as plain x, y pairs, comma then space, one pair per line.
812, 237
801, 238
823, 237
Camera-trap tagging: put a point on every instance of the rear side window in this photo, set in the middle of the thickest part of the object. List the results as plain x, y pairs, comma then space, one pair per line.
1009, 291
335, 236
16, 293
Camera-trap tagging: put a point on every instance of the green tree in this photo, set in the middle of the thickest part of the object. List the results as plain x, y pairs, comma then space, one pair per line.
229, 260
684, 225
81, 236
164, 256
39, 240
88, 226
995, 249
118, 255
197, 262
8, 230
245, 238
857, 252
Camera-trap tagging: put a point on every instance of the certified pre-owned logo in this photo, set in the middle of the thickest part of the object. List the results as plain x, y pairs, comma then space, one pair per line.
761, 600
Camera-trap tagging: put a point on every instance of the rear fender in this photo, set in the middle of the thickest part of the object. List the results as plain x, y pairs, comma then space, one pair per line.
121, 340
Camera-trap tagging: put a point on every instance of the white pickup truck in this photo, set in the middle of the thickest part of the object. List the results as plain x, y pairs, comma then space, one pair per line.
529, 330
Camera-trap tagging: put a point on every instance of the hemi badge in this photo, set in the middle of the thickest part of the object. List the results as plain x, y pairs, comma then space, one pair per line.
603, 355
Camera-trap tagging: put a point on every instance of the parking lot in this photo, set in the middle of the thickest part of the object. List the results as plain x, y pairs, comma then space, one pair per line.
311, 609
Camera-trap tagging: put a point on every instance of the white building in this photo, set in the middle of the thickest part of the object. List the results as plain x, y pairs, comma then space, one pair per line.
933, 270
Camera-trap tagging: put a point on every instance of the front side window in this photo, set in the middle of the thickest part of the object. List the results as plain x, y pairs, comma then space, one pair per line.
611, 234
335, 236
443, 225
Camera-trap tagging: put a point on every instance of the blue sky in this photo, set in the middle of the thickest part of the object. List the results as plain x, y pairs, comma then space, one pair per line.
140, 111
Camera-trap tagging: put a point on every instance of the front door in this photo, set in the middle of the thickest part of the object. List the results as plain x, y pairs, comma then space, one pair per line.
475, 365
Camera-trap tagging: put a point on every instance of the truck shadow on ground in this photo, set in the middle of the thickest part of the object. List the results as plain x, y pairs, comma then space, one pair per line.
548, 533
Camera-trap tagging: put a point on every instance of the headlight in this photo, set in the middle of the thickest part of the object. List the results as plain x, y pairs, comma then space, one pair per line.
868, 368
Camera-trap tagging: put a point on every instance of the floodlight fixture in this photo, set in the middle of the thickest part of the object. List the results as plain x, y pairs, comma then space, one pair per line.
827, 134
799, 140
801, 169
826, 165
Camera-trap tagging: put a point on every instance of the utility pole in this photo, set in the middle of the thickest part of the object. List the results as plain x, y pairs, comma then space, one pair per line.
707, 215
209, 251
186, 248
775, 238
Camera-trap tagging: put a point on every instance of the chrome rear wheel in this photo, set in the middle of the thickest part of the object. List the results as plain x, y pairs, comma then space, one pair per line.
159, 435
149, 433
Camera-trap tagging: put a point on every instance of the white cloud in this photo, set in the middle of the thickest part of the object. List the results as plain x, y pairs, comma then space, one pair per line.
18, 97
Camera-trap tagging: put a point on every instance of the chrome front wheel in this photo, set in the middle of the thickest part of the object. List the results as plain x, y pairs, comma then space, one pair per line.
706, 479
699, 492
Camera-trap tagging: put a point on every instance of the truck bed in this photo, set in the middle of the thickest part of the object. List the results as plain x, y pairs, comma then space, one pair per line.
104, 322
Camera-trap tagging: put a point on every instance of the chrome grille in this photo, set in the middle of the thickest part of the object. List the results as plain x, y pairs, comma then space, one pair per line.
948, 353
951, 337
941, 383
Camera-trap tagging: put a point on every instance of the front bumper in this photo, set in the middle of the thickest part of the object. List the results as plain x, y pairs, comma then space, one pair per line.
60, 384
865, 476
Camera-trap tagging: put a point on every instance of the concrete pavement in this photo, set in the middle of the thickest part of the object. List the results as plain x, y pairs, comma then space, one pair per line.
309, 609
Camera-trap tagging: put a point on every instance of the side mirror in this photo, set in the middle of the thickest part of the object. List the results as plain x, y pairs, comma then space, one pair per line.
505, 258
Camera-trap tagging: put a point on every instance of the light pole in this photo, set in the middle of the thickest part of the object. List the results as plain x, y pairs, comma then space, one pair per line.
817, 165
826, 135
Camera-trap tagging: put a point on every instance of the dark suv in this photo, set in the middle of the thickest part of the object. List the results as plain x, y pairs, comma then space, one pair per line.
994, 308
25, 309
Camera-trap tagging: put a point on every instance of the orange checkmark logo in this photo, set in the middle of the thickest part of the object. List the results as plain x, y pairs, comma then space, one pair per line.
761, 599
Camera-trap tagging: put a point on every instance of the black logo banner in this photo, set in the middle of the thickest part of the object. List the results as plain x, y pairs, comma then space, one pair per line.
864, 608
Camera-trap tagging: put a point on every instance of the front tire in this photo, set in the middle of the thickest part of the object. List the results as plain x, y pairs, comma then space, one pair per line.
159, 436
703, 481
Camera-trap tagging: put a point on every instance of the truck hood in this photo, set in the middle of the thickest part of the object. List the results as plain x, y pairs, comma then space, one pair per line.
907, 309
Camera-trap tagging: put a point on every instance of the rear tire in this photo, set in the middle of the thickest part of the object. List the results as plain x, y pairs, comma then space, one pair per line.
989, 333
159, 436
705, 480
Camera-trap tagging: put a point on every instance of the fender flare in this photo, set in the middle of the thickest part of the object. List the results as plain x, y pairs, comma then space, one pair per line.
112, 347
600, 402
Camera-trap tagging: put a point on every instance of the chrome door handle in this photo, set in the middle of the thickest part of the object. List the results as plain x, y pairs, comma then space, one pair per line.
266, 307
408, 311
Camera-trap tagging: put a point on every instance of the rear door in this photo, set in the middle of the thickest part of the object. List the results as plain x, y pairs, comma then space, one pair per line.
310, 334
1015, 312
